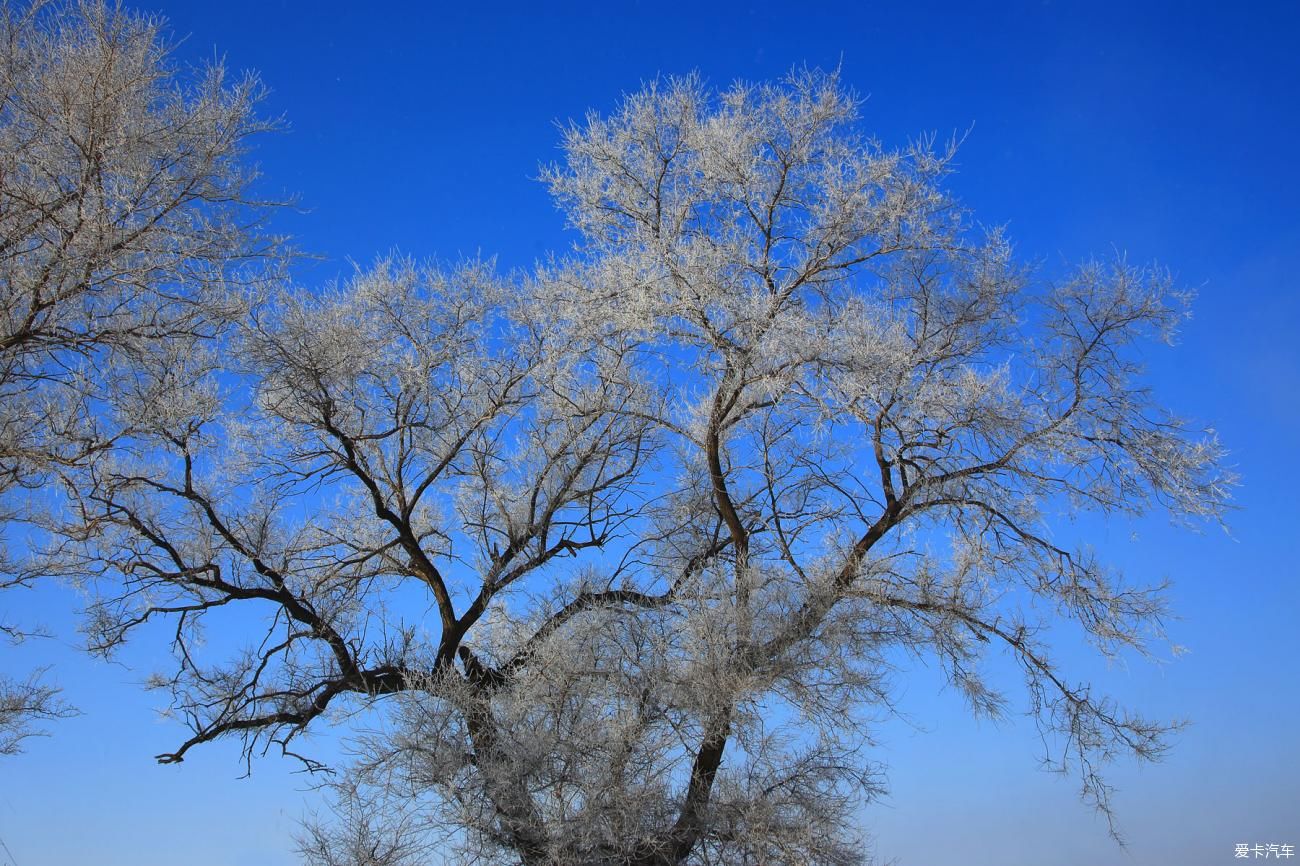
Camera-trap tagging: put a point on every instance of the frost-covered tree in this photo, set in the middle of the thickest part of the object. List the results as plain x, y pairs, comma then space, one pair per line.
620, 555
125, 223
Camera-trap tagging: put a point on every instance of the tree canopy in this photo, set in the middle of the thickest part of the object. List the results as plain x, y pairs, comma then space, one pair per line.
126, 230
621, 552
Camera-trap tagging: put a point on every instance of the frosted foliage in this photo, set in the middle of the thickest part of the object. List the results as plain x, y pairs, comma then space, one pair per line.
625, 556
23, 706
127, 237
123, 211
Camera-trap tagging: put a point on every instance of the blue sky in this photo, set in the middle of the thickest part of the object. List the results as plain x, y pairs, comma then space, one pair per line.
1164, 130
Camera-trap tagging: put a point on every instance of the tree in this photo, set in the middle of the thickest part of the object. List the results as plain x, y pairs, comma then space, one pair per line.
126, 224
674, 506
23, 705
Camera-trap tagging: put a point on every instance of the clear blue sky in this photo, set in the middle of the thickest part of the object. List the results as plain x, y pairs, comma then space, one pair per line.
1166, 130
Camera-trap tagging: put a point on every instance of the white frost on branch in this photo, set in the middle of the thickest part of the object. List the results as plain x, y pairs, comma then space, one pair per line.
671, 509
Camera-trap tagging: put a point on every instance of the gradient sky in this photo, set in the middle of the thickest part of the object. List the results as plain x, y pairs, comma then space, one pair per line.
1166, 131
